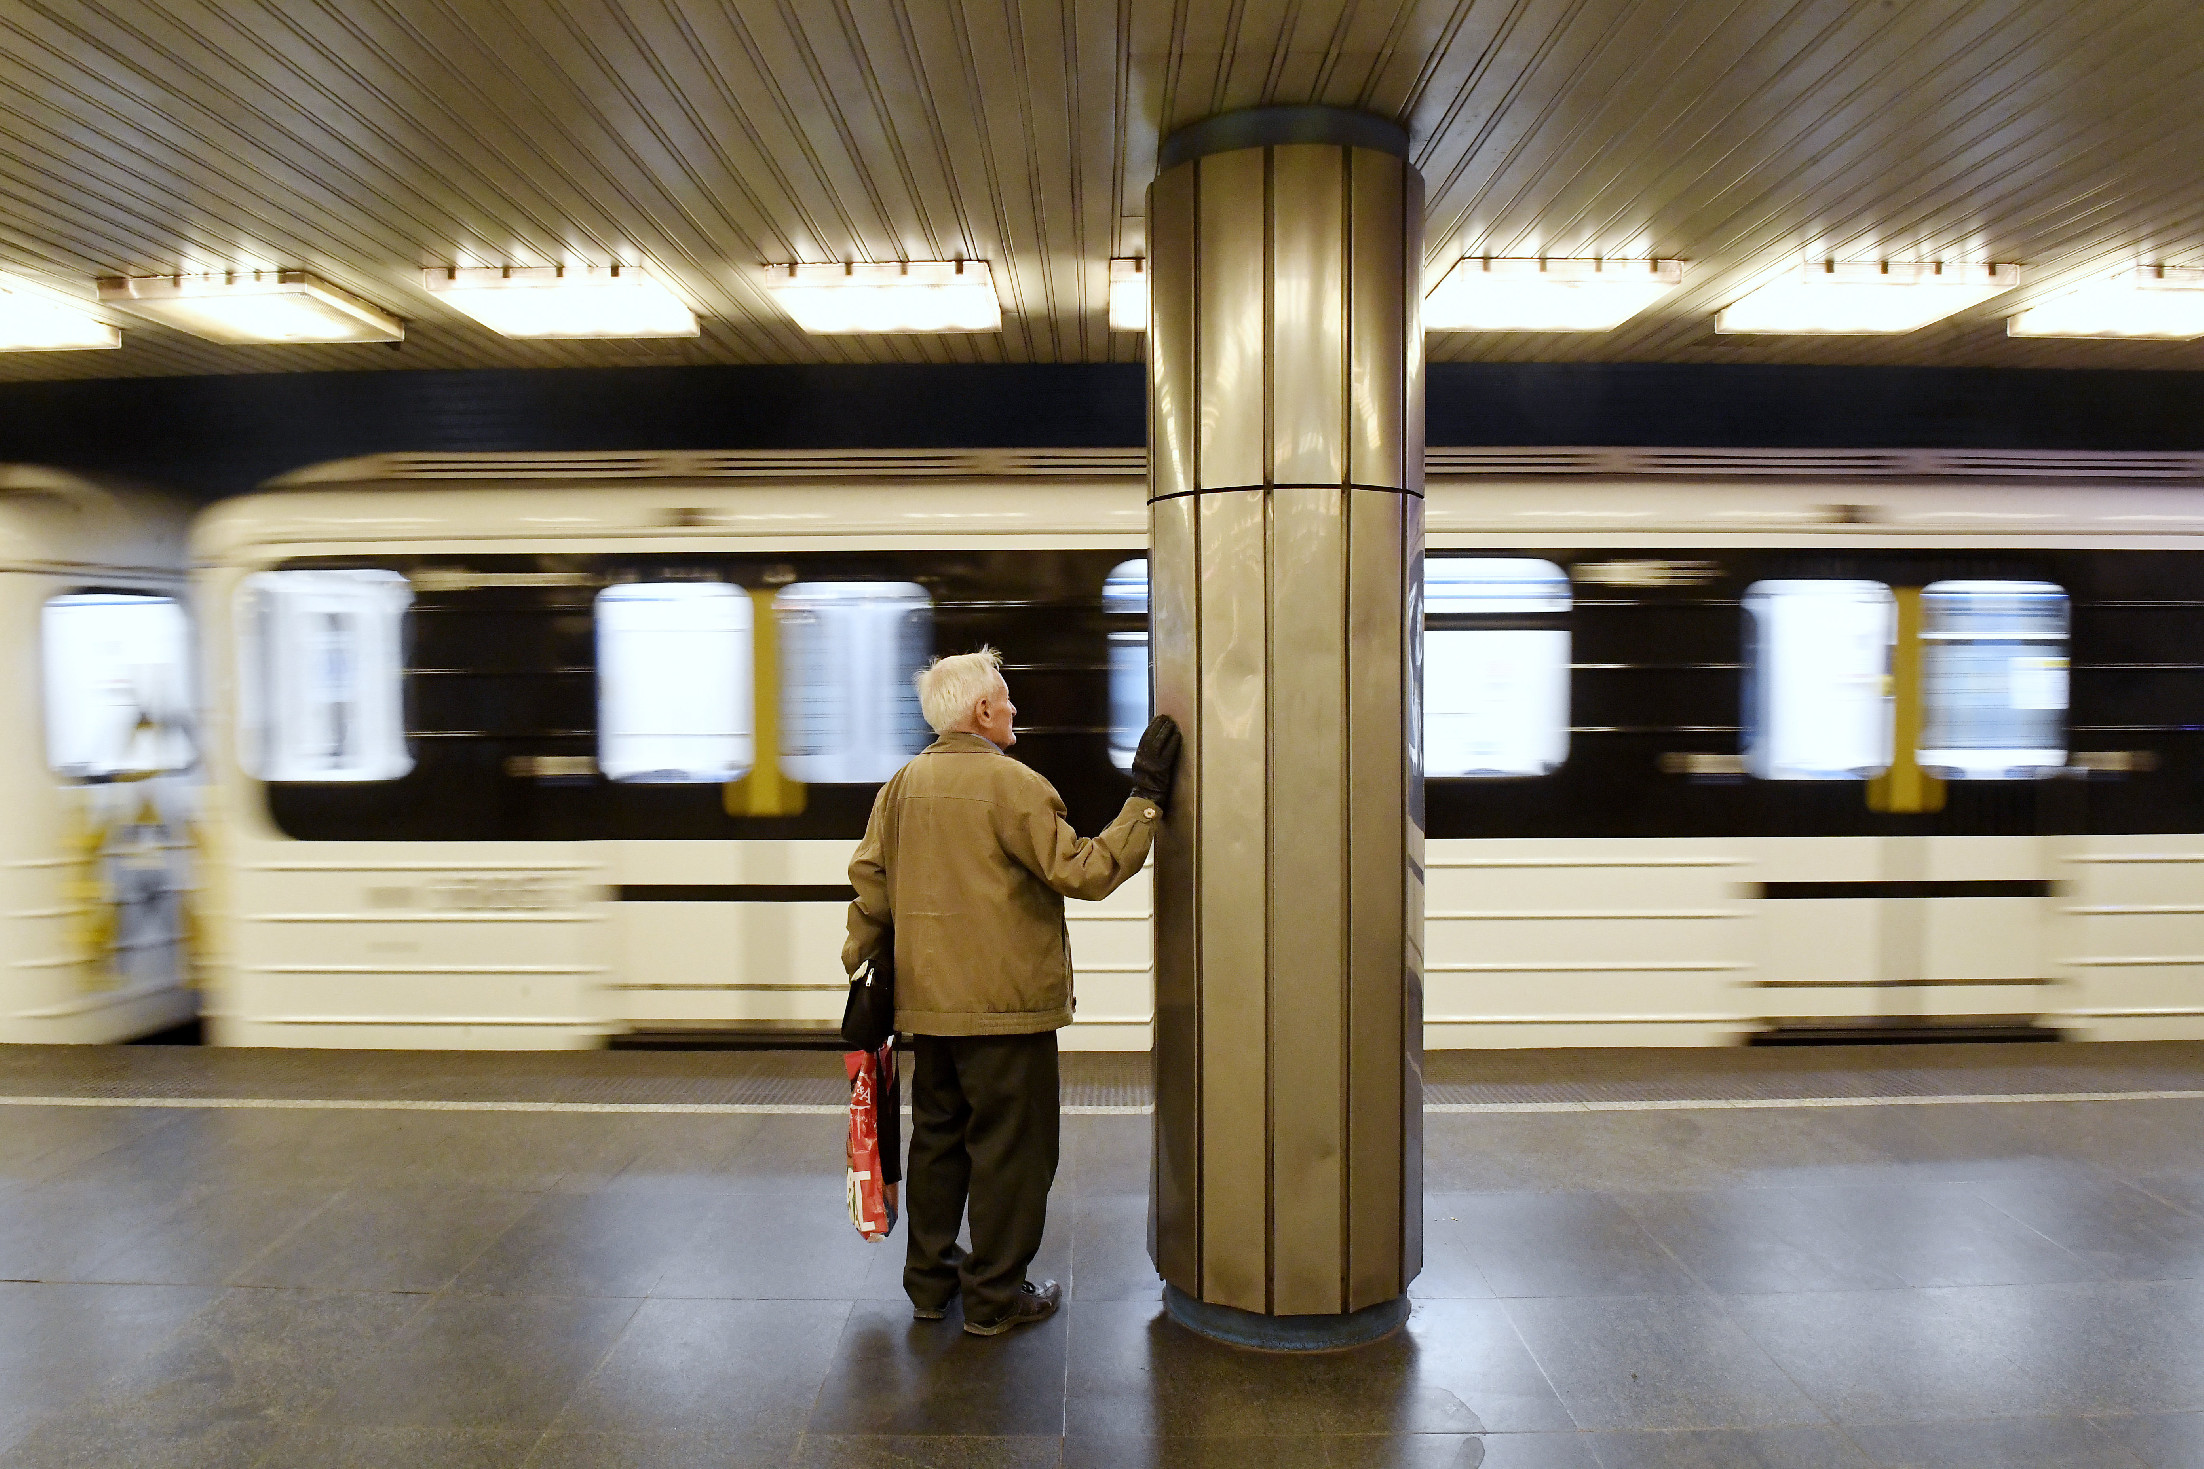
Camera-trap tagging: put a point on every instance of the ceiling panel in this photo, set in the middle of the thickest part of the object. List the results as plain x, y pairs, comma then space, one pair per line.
366, 139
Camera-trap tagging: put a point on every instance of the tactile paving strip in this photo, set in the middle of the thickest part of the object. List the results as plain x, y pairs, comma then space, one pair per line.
1091, 1080
1102, 1081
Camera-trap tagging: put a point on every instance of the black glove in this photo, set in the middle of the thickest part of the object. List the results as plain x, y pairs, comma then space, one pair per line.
1156, 762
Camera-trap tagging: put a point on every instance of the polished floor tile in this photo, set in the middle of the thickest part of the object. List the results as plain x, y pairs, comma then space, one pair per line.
351, 1447
1108, 1246
480, 1362
211, 1238
929, 1451
1859, 1237
1895, 1355
1998, 1443
893, 1376
1471, 1352
55, 1230
275, 1357
663, 1449
1647, 1362
593, 1244
738, 1369
1207, 1451
2122, 1230
2159, 1440
59, 1344
1556, 1244
1105, 1155
104, 1445
1459, 1368
776, 1245
2121, 1347
375, 1237
1522, 1451
1443, 1451
1730, 1448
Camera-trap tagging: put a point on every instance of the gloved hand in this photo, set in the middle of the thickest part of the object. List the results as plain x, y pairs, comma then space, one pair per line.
1156, 762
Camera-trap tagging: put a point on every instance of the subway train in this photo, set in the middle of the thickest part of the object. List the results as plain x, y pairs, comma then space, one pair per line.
101, 759
541, 750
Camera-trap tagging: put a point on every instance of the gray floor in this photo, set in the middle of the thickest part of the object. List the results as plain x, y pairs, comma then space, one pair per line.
1971, 1284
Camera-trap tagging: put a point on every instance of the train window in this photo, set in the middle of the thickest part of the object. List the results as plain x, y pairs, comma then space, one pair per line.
674, 683
1124, 599
117, 682
848, 651
1495, 666
1993, 675
1817, 679
320, 675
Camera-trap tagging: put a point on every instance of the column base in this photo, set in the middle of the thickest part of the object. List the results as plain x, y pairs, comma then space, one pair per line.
1285, 1333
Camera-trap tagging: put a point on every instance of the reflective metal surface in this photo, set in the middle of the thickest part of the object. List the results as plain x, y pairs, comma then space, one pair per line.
1307, 314
1383, 344
1229, 316
1308, 861
1232, 900
1171, 334
1174, 1202
1288, 1005
1379, 565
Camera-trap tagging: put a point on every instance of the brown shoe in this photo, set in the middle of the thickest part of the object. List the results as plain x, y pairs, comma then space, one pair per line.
1034, 1303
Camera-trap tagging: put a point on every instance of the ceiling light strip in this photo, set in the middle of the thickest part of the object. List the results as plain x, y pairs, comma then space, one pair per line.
257, 306
915, 296
1843, 298
35, 320
2150, 301
563, 301
1493, 294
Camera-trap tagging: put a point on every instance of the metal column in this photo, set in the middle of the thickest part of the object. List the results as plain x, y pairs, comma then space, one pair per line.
1285, 254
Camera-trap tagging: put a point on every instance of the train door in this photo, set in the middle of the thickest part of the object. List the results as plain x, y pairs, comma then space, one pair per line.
794, 697
1932, 918
108, 948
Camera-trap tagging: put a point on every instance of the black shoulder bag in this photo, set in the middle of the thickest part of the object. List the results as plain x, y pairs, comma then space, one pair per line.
868, 1015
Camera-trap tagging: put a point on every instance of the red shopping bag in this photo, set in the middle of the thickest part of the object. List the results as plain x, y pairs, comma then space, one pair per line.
875, 1139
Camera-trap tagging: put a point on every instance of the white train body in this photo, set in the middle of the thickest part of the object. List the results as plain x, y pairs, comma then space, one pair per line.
1561, 909
96, 853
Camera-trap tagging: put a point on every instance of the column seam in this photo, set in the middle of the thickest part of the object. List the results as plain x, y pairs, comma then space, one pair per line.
1270, 726
1196, 318
1347, 743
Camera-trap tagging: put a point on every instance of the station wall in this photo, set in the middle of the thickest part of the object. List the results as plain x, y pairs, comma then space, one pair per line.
220, 435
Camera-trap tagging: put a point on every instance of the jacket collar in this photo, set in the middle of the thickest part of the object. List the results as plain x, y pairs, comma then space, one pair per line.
957, 742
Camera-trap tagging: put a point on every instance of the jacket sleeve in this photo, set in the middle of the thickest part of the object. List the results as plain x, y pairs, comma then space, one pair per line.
869, 915
1032, 829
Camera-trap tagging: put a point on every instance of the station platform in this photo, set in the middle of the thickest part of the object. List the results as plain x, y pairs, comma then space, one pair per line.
1896, 1255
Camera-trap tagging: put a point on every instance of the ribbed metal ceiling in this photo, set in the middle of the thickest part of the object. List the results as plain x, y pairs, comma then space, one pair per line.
365, 139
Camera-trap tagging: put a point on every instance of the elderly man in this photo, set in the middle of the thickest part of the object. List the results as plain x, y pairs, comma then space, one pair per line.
969, 858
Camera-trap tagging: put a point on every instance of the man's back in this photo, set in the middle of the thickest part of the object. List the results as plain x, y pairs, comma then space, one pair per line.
969, 856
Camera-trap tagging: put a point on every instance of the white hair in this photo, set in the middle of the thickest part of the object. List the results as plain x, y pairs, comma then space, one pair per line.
948, 688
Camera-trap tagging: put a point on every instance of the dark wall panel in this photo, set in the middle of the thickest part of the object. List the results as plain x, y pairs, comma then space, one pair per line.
1681, 406
219, 435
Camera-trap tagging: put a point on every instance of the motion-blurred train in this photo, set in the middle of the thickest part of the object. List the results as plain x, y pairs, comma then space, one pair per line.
540, 750
99, 762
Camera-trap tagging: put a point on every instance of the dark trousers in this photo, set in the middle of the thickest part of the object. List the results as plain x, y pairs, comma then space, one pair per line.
983, 1138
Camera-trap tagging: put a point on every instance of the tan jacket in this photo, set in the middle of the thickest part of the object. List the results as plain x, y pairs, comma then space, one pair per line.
969, 855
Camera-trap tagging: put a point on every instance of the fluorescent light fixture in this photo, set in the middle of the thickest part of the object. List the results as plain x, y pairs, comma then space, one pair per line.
1128, 295
1833, 298
32, 321
922, 296
253, 306
1481, 294
562, 300
2149, 301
